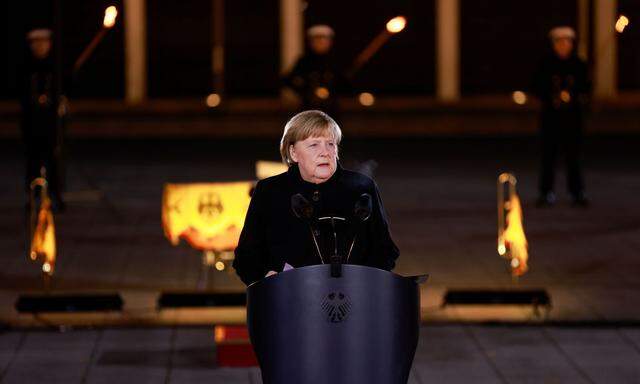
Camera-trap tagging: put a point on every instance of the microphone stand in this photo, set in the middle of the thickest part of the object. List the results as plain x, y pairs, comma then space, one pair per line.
336, 260
315, 241
304, 210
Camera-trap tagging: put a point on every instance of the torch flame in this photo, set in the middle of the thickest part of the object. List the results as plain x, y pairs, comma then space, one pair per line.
515, 241
622, 22
396, 24
43, 243
110, 15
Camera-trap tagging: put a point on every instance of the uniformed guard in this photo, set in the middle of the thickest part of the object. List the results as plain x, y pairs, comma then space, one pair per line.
40, 114
316, 78
562, 85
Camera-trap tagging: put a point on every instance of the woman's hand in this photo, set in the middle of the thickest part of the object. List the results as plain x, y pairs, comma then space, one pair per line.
271, 273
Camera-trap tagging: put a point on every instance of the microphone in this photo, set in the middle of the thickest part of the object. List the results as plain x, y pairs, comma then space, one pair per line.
303, 209
361, 212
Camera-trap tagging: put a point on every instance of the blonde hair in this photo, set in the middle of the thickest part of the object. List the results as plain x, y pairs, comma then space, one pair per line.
307, 124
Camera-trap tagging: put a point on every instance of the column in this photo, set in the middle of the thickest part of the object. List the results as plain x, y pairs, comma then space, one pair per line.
605, 52
583, 29
291, 33
448, 50
135, 28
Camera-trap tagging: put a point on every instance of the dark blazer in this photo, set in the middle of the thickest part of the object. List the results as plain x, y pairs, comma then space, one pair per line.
273, 235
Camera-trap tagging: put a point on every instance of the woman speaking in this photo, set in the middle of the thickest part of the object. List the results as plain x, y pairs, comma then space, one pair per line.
316, 211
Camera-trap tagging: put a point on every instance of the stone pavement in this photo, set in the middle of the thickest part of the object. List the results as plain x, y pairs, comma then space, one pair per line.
445, 354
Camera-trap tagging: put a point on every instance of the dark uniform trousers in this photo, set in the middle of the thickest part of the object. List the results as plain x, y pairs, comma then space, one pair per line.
561, 132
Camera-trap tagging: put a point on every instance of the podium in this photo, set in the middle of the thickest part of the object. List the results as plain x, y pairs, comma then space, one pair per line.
308, 327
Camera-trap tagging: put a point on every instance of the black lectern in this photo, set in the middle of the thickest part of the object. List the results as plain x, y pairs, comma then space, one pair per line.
308, 327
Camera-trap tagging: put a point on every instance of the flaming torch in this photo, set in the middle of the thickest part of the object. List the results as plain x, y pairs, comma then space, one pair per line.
512, 242
42, 229
621, 23
393, 26
109, 20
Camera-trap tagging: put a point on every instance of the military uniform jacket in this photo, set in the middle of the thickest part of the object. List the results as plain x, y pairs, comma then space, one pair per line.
562, 85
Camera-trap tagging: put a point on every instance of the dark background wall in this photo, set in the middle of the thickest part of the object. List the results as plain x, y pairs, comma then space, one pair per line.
179, 48
503, 40
501, 44
252, 57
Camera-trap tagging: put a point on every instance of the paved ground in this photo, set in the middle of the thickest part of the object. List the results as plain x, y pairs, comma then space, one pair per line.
446, 354
440, 196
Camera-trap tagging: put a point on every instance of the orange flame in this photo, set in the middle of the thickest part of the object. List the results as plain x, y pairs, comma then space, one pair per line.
621, 23
110, 15
514, 240
396, 24
43, 243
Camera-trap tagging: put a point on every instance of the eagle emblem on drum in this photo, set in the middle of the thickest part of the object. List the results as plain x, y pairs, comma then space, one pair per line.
336, 306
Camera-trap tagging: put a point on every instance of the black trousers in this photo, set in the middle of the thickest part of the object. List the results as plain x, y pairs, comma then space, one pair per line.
561, 135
